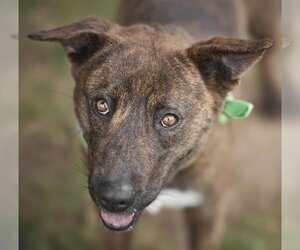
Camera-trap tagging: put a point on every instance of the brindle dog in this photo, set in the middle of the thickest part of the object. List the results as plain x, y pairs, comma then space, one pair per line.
148, 97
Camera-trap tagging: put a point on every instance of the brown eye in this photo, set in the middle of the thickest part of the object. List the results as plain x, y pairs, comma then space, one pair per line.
169, 120
102, 106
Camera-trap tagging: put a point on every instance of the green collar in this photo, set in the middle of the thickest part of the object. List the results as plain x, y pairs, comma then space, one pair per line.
235, 109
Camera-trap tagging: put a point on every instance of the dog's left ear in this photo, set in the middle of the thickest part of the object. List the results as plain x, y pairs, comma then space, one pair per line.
223, 61
80, 39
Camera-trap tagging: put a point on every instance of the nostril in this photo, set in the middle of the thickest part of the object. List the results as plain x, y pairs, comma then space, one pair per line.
123, 205
103, 202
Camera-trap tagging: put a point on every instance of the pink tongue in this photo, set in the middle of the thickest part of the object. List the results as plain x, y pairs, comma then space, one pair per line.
117, 220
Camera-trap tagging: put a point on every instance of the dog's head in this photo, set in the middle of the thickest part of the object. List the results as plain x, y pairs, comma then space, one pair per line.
145, 97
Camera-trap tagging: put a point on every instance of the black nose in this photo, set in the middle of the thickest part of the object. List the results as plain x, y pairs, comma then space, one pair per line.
115, 197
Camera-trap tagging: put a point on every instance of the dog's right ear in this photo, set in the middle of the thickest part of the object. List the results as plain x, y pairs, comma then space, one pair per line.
223, 61
80, 39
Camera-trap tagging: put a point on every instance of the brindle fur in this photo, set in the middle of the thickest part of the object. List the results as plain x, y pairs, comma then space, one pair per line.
145, 71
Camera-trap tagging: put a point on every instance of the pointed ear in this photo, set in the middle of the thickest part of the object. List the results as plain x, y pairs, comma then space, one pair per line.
80, 39
223, 61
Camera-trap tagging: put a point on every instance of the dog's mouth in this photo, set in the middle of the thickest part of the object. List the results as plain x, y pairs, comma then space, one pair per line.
118, 221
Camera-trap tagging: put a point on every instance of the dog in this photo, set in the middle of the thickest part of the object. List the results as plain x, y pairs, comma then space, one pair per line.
148, 96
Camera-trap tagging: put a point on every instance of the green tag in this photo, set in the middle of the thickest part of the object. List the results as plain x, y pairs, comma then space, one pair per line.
235, 109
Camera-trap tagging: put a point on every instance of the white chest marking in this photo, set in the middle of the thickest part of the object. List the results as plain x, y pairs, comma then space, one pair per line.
176, 199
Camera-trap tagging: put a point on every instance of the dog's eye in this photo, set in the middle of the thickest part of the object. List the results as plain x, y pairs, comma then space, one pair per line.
169, 120
102, 106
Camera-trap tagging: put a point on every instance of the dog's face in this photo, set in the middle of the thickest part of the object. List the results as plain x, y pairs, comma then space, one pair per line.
145, 100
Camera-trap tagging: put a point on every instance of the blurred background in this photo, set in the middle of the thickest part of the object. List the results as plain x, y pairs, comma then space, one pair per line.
56, 211
9, 125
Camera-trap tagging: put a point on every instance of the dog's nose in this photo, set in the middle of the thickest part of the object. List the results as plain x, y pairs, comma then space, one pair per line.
115, 198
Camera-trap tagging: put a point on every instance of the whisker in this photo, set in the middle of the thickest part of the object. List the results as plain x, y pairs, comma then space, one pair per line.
170, 195
80, 161
83, 161
84, 186
154, 204
81, 171
58, 92
145, 212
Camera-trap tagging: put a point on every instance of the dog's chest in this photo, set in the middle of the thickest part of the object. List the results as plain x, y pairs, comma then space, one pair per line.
175, 199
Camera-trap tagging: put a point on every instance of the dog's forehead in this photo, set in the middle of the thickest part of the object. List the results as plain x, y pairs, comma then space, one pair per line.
136, 68
144, 68
161, 89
